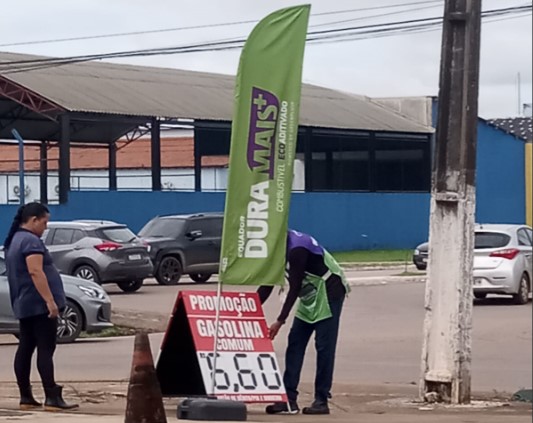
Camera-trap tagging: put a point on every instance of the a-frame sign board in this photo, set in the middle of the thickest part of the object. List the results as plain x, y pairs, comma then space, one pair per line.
246, 366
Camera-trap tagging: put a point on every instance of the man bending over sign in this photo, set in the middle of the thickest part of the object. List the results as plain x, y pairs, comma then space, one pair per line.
317, 279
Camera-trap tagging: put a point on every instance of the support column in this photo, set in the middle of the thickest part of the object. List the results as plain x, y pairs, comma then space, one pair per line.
197, 161
447, 342
64, 159
156, 155
112, 164
308, 159
372, 165
43, 172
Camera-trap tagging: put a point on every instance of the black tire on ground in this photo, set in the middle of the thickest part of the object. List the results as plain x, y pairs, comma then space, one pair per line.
86, 272
130, 286
69, 323
421, 266
169, 271
200, 277
522, 296
480, 295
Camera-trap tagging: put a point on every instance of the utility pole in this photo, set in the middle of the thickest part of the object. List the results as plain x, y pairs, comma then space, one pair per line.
446, 352
519, 92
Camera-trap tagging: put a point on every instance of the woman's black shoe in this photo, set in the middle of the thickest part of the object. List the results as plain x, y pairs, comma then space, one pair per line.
54, 400
27, 402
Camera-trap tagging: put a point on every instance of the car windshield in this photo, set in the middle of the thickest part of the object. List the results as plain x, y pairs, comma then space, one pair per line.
120, 234
161, 228
485, 240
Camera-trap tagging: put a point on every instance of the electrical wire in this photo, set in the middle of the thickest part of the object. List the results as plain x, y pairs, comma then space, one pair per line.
314, 37
156, 31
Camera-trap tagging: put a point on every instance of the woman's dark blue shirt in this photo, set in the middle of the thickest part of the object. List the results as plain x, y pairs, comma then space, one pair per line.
25, 299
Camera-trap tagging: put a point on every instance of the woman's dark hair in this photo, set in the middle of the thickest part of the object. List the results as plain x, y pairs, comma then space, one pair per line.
25, 213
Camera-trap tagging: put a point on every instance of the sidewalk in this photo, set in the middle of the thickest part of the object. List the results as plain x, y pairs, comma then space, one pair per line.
105, 402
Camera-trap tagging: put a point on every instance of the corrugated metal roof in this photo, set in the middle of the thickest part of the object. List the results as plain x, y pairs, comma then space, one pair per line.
418, 109
520, 127
148, 91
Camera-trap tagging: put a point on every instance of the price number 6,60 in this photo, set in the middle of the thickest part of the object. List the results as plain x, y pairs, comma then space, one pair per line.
239, 371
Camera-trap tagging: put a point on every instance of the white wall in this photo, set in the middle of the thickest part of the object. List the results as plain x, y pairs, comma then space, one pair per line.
179, 179
139, 179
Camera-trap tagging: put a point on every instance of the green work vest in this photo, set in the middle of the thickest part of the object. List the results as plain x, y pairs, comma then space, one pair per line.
313, 305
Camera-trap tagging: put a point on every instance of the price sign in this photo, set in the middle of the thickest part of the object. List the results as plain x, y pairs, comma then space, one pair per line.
251, 377
244, 364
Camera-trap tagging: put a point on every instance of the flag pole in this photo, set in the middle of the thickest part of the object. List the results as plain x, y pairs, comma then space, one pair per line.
215, 347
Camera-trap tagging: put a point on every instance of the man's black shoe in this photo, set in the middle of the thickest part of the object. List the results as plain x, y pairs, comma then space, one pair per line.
283, 408
316, 408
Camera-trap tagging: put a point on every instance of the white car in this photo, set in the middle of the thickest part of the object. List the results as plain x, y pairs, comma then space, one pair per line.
88, 308
503, 261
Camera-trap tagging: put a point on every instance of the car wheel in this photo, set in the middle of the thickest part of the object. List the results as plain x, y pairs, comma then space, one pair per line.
86, 272
200, 277
421, 266
130, 286
169, 271
480, 295
69, 323
522, 296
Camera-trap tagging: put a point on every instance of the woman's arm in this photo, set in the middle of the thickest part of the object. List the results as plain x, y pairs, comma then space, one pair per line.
35, 269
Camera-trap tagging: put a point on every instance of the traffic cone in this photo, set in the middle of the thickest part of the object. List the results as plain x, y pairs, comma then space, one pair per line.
144, 402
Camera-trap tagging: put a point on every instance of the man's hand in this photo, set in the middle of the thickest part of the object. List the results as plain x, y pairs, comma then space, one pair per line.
274, 329
53, 311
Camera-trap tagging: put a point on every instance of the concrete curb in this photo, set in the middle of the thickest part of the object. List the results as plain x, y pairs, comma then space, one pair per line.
377, 266
386, 280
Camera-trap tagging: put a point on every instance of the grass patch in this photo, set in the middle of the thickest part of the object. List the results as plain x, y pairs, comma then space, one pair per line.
373, 256
112, 332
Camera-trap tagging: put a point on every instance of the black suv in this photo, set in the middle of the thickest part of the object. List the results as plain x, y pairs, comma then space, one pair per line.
181, 244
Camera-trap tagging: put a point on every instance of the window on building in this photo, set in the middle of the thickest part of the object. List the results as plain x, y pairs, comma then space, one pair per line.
345, 160
339, 163
402, 165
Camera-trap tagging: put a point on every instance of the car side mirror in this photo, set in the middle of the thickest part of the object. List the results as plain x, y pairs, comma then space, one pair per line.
192, 235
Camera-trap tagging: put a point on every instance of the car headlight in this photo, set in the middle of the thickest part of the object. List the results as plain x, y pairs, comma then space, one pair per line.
417, 251
92, 292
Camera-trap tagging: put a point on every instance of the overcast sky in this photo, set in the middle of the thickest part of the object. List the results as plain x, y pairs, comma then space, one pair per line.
404, 65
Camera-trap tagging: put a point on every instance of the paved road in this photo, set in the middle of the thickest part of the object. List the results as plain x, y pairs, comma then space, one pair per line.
380, 340
153, 297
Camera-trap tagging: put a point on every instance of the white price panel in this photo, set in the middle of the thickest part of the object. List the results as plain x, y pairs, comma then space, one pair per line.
243, 376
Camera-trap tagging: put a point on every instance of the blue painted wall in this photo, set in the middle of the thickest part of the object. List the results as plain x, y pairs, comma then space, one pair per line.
500, 174
500, 177
341, 221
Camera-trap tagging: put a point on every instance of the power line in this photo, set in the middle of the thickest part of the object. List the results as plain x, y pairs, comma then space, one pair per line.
407, 31
185, 28
398, 12
339, 34
414, 25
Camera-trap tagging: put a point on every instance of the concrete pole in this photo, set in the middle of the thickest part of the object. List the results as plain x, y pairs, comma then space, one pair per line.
446, 354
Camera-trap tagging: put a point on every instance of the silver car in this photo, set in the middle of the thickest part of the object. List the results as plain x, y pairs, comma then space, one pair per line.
88, 308
99, 251
502, 260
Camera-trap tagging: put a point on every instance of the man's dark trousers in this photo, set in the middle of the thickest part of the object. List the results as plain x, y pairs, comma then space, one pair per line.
326, 333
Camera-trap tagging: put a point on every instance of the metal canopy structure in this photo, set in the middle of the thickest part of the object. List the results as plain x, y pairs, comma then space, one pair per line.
95, 104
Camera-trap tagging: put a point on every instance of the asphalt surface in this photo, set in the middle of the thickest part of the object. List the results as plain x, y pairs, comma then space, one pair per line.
380, 341
377, 369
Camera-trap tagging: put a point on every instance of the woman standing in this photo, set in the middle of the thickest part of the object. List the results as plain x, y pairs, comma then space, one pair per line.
37, 296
